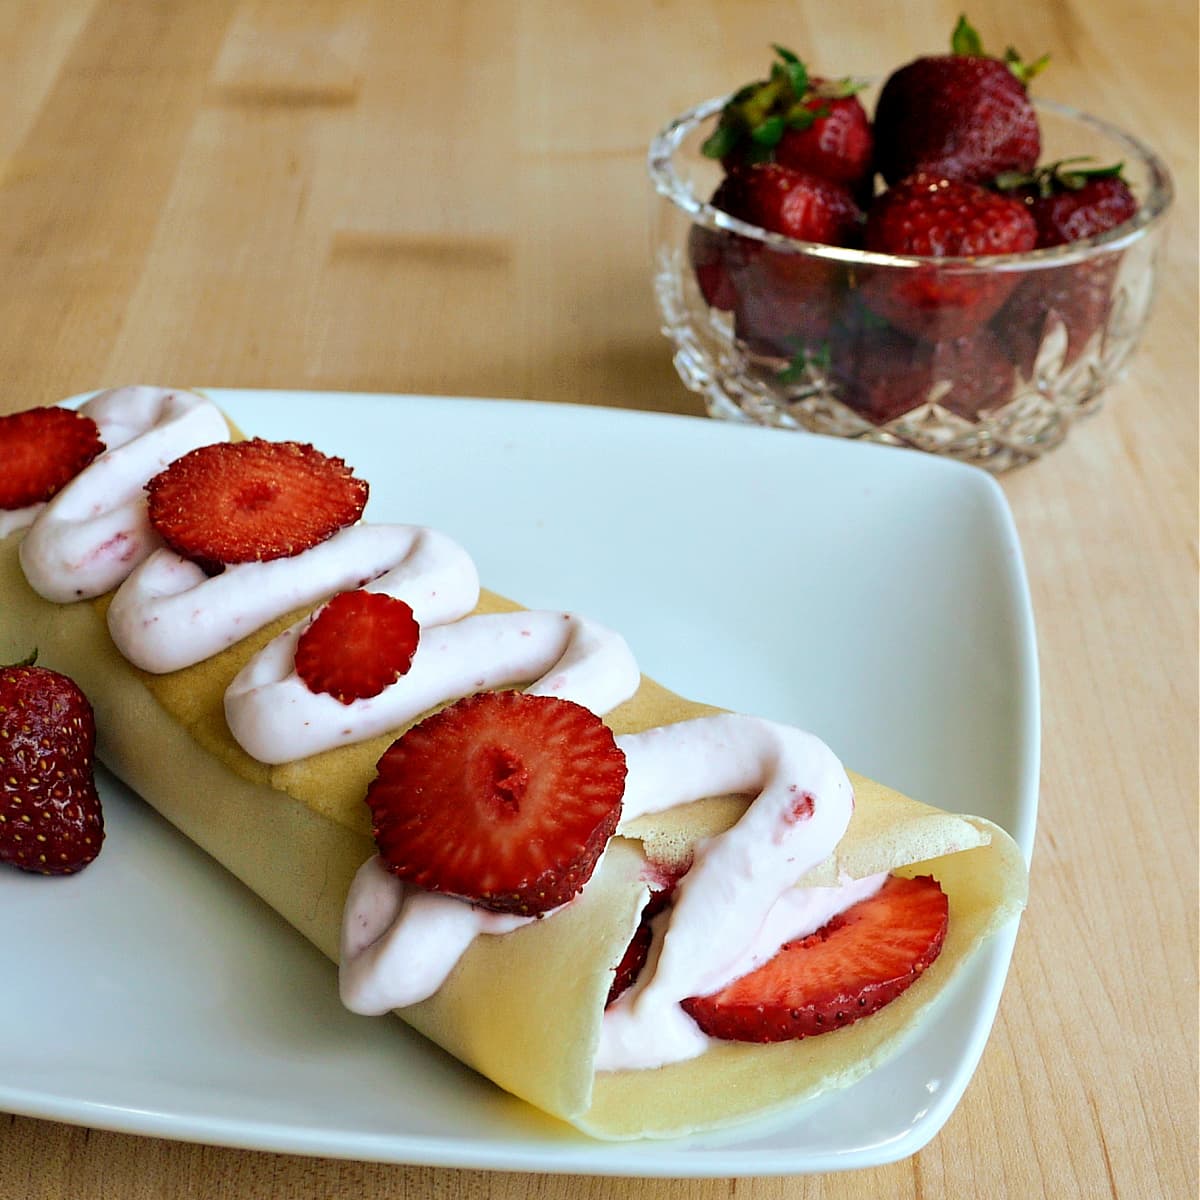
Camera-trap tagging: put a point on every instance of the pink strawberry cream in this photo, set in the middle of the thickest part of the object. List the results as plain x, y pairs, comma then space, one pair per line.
169, 614
89, 537
732, 911
276, 718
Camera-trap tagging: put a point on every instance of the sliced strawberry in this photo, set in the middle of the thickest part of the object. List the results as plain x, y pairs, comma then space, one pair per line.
42, 450
863, 959
50, 817
503, 799
634, 959
254, 501
359, 643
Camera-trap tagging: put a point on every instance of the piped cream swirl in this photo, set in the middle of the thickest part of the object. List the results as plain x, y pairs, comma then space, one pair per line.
276, 718
169, 614
95, 531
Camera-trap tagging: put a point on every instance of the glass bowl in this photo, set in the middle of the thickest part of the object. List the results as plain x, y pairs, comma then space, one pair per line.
996, 357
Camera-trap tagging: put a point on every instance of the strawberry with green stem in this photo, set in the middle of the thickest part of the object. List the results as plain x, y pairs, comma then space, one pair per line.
802, 121
1068, 201
782, 298
963, 115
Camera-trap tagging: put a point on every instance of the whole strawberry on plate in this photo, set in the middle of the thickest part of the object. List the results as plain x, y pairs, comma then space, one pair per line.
963, 115
1069, 201
50, 817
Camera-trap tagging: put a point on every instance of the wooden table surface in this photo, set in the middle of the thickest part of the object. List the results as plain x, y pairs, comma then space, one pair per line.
450, 198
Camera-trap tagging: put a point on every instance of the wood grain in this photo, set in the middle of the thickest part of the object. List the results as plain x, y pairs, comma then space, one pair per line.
450, 198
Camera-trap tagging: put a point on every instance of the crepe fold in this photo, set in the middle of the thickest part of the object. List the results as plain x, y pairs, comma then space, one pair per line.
525, 1008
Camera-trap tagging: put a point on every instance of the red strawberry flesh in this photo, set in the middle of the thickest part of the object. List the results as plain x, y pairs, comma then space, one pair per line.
50, 817
634, 959
42, 450
504, 799
252, 501
861, 960
358, 644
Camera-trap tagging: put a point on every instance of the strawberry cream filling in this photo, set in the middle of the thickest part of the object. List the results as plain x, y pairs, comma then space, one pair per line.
277, 718
93, 533
732, 911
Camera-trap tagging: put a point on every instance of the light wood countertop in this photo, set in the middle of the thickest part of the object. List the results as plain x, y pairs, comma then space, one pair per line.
451, 198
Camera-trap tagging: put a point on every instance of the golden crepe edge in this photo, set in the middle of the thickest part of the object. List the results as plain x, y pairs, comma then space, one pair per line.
296, 835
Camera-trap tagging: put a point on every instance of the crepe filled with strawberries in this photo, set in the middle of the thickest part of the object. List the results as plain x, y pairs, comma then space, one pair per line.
524, 863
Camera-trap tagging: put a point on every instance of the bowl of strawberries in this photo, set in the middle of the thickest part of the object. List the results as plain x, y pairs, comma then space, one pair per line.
941, 261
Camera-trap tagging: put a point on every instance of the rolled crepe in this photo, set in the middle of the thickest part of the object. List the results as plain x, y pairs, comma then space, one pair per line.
525, 1008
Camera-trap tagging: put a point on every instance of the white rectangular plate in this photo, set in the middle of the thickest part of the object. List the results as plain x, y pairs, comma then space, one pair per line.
876, 597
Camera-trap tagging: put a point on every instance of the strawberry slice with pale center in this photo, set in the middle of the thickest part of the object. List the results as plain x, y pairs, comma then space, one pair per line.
253, 501
42, 450
503, 799
851, 967
358, 644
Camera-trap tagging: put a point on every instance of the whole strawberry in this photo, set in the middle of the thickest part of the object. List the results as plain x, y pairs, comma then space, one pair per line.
883, 374
797, 204
781, 300
963, 115
1068, 203
714, 254
931, 217
50, 818
802, 121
